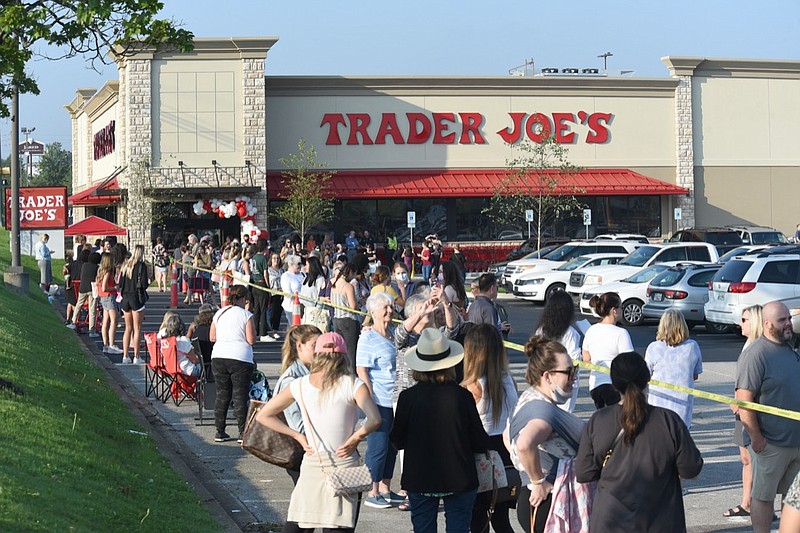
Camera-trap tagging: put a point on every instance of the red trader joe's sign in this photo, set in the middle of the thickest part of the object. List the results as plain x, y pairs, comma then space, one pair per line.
39, 208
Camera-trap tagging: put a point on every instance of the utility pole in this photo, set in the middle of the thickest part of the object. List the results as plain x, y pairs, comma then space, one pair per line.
15, 277
605, 59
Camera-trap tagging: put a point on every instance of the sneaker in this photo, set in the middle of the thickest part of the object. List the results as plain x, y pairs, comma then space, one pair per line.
221, 437
71, 326
239, 440
392, 497
114, 350
377, 502
138, 361
93, 334
275, 335
267, 338
105, 349
126, 360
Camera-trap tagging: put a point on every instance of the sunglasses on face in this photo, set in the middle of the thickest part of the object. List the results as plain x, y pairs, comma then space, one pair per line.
571, 373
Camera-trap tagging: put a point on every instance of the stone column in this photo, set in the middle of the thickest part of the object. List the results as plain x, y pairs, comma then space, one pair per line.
255, 128
685, 150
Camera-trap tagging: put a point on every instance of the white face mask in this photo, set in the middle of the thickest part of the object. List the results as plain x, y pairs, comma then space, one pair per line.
403, 276
440, 277
560, 397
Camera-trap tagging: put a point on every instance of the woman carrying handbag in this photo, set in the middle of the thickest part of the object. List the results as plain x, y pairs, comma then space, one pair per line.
330, 398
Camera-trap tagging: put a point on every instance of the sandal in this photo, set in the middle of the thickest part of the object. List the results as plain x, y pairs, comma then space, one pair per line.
736, 511
405, 506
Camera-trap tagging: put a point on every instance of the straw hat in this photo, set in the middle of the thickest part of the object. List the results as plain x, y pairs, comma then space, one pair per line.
434, 352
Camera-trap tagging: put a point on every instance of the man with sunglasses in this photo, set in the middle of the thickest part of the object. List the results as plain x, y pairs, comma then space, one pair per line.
767, 373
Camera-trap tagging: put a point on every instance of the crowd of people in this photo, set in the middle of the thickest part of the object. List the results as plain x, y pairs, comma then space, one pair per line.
427, 367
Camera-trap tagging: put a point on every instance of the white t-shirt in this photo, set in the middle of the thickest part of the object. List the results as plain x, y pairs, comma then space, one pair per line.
310, 295
231, 323
334, 417
484, 406
604, 342
290, 283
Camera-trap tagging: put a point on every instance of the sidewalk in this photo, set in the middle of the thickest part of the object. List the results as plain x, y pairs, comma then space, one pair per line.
254, 492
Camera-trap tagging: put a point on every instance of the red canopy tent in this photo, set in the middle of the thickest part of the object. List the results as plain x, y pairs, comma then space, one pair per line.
94, 226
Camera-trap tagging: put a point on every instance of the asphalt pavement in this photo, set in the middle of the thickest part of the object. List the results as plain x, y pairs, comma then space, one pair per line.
256, 494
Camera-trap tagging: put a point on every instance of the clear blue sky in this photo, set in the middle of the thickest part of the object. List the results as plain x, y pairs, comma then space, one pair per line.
472, 38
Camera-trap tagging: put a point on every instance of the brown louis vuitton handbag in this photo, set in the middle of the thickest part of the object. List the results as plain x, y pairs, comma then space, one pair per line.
268, 445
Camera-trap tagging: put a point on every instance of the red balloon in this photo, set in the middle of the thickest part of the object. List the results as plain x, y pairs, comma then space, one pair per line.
206, 206
263, 234
250, 218
241, 211
222, 214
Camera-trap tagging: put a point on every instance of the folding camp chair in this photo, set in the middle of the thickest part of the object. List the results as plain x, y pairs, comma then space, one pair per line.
82, 324
178, 385
198, 285
154, 374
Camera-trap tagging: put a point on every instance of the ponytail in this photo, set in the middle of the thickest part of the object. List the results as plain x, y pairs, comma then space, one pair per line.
630, 375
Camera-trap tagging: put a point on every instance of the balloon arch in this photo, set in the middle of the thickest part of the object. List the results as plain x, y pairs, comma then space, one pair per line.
239, 206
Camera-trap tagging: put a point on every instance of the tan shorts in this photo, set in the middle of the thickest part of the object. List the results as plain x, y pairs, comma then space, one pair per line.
774, 469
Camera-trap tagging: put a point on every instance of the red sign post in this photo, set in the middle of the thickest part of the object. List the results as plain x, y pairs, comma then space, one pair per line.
40, 208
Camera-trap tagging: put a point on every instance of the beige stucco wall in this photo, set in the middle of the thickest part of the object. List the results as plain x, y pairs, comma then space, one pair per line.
197, 112
642, 129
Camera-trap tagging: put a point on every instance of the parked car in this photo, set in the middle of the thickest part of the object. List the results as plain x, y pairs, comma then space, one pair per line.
622, 236
510, 235
683, 287
760, 235
589, 279
531, 245
561, 255
753, 279
539, 286
741, 250
725, 239
632, 291
499, 268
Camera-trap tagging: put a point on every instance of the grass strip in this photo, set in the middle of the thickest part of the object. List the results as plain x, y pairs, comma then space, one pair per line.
72, 457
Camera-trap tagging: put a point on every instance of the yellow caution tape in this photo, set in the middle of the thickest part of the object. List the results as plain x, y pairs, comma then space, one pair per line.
768, 409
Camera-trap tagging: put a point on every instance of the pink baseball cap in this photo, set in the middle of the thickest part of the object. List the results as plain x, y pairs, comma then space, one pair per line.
330, 342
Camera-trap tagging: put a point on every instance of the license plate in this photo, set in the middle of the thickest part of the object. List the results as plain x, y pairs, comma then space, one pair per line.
657, 297
720, 296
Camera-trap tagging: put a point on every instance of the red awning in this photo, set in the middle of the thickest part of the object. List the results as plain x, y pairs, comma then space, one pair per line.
352, 185
105, 193
95, 226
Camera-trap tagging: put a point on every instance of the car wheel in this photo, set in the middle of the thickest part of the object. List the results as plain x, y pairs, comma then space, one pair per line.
632, 312
552, 289
717, 328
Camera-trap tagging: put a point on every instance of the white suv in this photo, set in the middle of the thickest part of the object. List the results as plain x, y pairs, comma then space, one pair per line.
539, 286
589, 279
753, 279
561, 255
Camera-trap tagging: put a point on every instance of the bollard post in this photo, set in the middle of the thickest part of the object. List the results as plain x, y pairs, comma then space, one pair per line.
173, 289
296, 312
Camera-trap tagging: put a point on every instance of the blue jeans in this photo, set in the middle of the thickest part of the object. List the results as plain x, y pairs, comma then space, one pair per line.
381, 455
426, 272
457, 512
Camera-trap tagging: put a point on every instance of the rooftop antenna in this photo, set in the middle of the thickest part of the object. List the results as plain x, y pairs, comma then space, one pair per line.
522, 70
605, 59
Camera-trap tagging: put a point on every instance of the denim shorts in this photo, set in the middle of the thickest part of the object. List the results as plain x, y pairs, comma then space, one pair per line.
109, 303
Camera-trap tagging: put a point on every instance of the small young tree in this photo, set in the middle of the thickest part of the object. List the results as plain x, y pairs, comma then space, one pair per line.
306, 203
538, 180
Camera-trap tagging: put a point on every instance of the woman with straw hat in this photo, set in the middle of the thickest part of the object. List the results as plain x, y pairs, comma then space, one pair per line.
437, 425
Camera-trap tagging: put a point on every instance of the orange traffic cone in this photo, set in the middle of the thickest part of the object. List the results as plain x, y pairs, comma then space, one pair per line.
224, 290
296, 311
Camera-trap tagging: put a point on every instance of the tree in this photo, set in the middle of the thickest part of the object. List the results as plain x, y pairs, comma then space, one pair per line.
55, 168
539, 180
74, 27
306, 205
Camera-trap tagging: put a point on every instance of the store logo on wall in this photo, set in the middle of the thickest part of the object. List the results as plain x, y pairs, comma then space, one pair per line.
104, 141
462, 128
39, 208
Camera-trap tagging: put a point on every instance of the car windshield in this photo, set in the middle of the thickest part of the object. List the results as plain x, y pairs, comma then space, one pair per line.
574, 264
741, 250
645, 275
640, 256
768, 237
541, 252
560, 253
723, 238
668, 278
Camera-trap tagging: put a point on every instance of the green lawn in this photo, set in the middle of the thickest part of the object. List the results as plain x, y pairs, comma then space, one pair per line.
72, 457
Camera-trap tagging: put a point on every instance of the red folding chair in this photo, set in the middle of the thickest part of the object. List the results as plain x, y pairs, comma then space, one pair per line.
198, 285
155, 375
180, 386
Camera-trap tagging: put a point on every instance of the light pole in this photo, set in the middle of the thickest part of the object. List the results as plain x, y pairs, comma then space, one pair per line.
29, 159
605, 59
